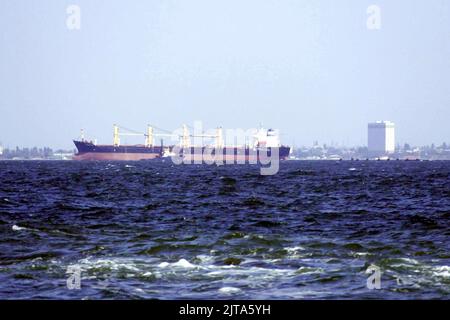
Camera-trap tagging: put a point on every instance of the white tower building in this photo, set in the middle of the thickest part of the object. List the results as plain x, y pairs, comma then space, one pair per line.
381, 138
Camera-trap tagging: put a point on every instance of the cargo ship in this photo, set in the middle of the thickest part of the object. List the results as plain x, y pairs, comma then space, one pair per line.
90, 150
266, 142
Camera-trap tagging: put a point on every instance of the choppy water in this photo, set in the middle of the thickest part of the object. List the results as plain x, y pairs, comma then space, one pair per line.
155, 230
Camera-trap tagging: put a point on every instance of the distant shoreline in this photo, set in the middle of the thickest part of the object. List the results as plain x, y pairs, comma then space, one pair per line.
287, 160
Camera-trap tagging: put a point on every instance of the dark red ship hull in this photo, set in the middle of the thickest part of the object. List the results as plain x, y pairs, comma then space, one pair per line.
230, 154
90, 151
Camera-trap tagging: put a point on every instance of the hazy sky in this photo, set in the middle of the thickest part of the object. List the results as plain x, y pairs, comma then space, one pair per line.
310, 68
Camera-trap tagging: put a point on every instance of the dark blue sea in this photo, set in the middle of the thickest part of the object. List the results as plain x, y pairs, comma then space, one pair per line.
155, 230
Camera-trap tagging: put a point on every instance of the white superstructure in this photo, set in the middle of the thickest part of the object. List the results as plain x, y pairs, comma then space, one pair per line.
267, 138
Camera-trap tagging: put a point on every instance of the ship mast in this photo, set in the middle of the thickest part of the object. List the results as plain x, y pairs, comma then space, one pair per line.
219, 138
116, 138
149, 137
185, 139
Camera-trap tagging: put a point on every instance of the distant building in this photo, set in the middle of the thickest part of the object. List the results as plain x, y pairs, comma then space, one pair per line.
1, 150
381, 138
